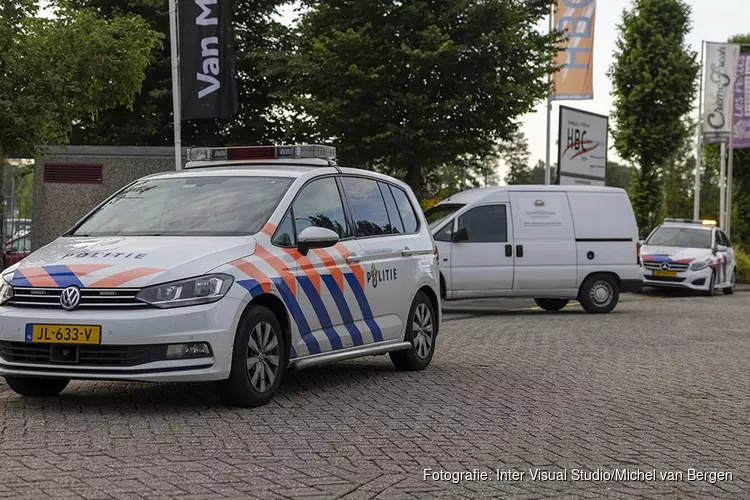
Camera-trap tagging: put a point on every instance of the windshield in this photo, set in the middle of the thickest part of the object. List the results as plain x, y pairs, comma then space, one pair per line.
681, 237
439, 213
188, 206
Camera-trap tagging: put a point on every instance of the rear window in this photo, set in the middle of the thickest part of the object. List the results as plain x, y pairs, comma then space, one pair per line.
687, 237
406, 210
188, 206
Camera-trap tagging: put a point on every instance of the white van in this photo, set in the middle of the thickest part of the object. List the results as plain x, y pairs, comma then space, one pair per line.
552, 243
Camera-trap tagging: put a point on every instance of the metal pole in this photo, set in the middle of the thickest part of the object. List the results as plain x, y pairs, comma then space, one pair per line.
699, 145
547, 166
175, 85
722, 184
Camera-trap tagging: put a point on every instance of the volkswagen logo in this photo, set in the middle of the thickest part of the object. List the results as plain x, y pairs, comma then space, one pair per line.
70, 298
665, 266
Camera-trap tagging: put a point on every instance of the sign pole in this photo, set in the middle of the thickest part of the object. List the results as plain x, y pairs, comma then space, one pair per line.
722, 184
699, 144
175, 84
728, 194
547, 166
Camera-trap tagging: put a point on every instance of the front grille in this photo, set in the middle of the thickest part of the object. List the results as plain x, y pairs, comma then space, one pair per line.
90, 297
671, 266
88, 355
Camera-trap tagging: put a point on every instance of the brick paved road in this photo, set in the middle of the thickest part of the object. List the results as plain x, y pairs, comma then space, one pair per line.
656, 384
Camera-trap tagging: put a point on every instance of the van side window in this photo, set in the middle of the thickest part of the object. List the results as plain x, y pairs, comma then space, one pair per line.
406, 210
445, 234
319, 204
368, 208
397, 226
486, 224
285, 236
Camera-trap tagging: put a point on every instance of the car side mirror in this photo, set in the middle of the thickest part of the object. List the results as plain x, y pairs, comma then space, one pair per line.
316, 237
460, 235
722, 248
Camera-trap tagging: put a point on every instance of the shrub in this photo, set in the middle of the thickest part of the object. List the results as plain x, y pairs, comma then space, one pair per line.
743, 265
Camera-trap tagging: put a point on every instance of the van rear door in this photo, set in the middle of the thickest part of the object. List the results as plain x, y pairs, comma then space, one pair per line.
544, 246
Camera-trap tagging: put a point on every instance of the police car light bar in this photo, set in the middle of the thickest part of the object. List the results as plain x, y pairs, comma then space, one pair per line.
683, 221
262, 153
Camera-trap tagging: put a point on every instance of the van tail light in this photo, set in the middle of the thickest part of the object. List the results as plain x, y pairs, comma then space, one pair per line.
638, 253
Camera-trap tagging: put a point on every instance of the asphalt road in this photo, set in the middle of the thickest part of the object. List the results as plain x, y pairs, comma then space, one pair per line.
660, 384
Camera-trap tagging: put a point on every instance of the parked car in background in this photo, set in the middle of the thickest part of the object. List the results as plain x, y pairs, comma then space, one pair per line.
551, 243
16, 227
17, 249
691, 254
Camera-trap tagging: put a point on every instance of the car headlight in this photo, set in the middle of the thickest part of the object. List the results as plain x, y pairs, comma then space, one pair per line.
6, 291
191, 292
697, 266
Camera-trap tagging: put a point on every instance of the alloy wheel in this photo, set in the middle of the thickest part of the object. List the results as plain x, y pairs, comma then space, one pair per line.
262, 357
422, 327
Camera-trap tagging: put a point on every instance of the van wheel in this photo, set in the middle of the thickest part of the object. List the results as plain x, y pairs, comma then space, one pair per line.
551, 304
36, 387
730, 289
599, 294
258, 360
711, 286
421, 331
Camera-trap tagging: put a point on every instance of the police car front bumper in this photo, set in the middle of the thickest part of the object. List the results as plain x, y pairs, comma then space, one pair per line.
125, 336
691, 280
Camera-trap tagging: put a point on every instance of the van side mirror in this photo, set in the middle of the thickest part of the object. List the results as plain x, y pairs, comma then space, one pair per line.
722, 248
460, 235
316, 237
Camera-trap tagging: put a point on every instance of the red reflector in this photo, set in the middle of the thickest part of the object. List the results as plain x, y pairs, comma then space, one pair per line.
252, 153
436, 251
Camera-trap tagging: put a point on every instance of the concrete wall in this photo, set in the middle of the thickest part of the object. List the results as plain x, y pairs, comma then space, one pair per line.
59, 205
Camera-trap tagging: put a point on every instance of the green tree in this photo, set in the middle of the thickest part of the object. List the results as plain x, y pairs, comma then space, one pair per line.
260, 45
418, 84
654, 82
514, 152
55, 72
618, 175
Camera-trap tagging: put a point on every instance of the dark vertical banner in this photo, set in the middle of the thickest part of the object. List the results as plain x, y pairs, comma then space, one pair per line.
208, 88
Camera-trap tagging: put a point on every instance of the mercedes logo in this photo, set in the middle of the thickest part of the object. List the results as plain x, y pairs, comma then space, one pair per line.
665, 266
70, 298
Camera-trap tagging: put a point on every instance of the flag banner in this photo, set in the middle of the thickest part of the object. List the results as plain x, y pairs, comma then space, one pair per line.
575, 80
582, 147
721, 68
208, 88
741, 127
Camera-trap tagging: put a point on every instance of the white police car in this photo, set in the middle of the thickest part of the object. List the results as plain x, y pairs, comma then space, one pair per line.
250, 261
690, 254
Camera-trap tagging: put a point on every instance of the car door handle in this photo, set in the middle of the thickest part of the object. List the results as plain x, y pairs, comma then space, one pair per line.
519, 250
509, 250
406, 252
353, 258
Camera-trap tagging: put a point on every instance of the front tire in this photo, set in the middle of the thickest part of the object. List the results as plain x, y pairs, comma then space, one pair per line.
599, 294
711, 286
730, 289
551, 304
36, 387
258, 360
421, 331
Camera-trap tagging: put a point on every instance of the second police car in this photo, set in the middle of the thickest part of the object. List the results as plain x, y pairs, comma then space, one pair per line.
250, 261
689, 254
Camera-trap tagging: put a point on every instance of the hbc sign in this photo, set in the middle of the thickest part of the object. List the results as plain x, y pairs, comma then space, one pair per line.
582, 147
576, 18
207, 63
